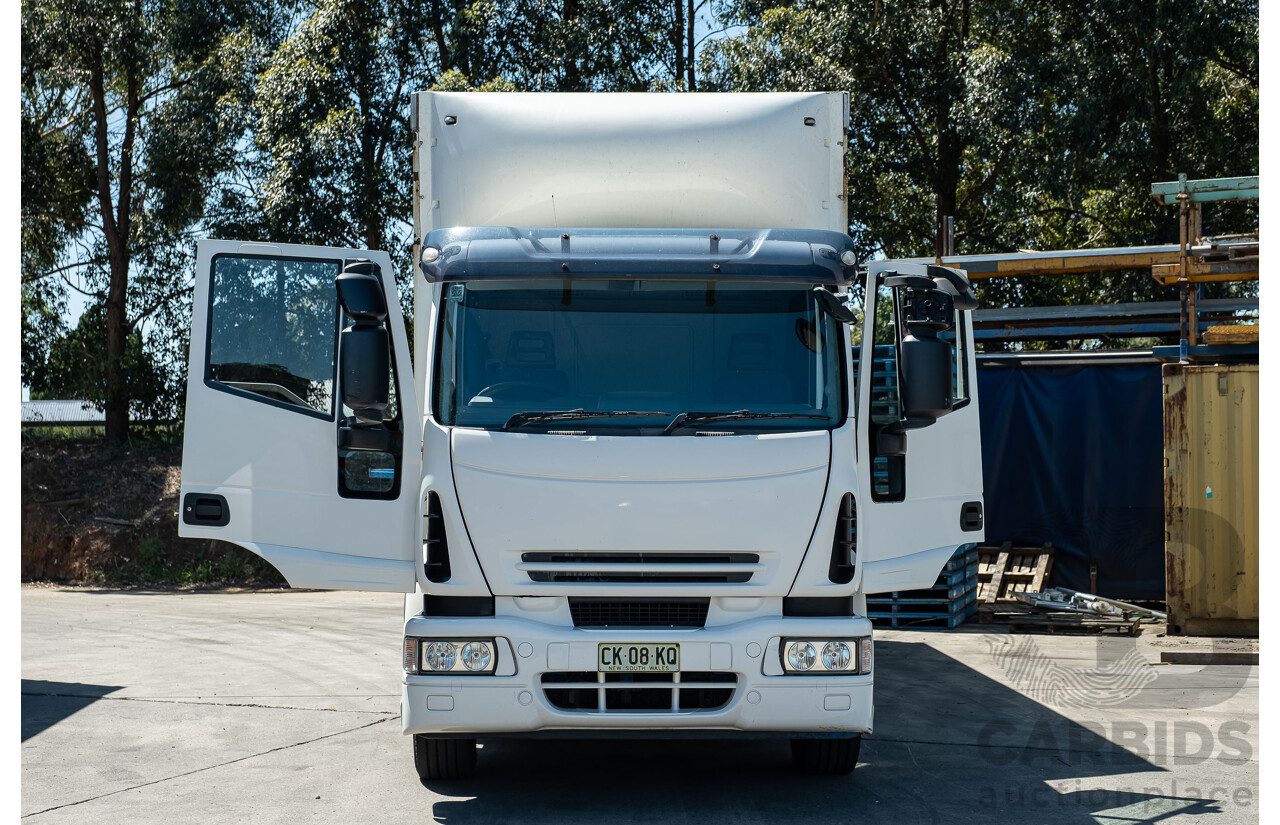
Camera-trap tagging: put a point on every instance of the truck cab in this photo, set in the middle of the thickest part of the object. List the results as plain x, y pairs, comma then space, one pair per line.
632, 479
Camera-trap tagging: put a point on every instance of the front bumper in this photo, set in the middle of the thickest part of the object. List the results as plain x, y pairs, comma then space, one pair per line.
762, 700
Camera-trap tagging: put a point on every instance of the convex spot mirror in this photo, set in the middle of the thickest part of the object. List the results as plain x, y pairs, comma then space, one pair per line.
360, 292
364, 352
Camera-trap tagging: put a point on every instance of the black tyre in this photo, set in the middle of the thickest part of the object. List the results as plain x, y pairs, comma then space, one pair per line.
826, 757
438, 759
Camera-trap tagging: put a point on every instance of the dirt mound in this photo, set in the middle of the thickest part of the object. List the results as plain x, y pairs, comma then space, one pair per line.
93, 513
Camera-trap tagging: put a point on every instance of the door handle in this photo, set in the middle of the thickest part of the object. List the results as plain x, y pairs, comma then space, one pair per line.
205, 510
971, 516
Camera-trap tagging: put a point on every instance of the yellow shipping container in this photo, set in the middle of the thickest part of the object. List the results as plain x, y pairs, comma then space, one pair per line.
1211, 499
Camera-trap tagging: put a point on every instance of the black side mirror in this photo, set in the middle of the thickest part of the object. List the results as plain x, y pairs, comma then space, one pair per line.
364, 360
924, 367
924, 359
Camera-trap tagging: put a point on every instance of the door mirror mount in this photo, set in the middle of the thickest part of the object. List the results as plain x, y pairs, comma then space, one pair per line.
891, 440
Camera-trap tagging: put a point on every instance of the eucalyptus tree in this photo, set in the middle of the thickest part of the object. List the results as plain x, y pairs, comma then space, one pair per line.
124, 129
571, 45
1034, 123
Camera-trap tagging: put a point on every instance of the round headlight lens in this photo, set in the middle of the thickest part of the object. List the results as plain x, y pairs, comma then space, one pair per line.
476, 656
836, 656
801, 656
439, 656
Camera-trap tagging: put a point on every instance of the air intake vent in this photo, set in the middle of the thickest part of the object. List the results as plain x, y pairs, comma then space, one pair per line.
639, 613
435, 542
600, 693
844, 545
647, 568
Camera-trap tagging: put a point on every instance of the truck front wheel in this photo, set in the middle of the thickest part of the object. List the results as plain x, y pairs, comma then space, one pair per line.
826, 757
438, 759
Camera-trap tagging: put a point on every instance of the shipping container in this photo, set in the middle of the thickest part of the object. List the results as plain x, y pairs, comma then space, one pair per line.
1211, 498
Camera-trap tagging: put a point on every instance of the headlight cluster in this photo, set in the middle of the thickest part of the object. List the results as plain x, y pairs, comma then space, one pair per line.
428, 656
821, 656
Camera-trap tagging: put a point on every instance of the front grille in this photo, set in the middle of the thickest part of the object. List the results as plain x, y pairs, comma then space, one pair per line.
687, 692
639, 613
649, 568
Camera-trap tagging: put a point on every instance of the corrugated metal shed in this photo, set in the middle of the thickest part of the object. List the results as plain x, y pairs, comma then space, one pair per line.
36, 413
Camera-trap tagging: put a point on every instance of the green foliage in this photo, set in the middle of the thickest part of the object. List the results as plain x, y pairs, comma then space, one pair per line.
147, 123
216, 563
149, 563
75, 367
1034, 123
128, 115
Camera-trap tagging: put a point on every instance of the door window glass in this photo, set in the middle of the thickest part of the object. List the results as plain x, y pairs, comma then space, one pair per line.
958, 340
888, 472
272, 330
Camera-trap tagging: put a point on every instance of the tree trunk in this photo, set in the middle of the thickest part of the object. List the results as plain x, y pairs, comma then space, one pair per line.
677, 38
947, 177
369, 198
1161, 137
437, 28
689, 20
115, 228
572, 73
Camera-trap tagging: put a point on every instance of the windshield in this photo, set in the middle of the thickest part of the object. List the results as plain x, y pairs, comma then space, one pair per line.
630, 357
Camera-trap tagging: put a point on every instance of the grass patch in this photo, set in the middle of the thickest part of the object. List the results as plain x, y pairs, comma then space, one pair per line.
214, 563
140, 435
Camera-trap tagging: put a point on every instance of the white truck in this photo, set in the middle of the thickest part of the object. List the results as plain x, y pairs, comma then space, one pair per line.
627, 471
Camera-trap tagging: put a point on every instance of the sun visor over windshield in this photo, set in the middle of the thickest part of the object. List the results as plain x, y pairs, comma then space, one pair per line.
776, 255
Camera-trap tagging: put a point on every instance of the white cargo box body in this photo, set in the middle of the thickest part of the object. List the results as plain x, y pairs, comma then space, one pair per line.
751, 161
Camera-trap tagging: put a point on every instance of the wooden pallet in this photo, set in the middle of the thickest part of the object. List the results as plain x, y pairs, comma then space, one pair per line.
1006, 571
952, 599
919, 614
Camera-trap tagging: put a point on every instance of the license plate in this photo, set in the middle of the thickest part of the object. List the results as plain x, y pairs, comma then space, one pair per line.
630, 658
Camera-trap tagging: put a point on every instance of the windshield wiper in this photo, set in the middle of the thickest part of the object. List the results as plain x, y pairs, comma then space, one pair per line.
689, 419
540, 416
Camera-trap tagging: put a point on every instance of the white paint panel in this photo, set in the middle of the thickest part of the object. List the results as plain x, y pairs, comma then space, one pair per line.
278, 467
631, 160
902, 545
522, 492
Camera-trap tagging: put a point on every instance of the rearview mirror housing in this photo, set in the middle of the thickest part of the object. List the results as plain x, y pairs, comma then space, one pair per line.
364, 360
924, 370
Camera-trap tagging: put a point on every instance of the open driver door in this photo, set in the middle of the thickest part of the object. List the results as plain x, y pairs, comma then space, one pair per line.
303, 439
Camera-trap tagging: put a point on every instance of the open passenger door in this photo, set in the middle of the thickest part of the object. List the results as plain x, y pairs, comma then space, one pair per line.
920, 481
272, 459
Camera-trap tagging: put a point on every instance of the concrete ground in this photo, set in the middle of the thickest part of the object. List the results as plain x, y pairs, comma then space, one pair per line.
283, 707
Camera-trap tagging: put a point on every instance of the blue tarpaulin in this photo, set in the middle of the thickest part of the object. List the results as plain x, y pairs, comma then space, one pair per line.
1072, 455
